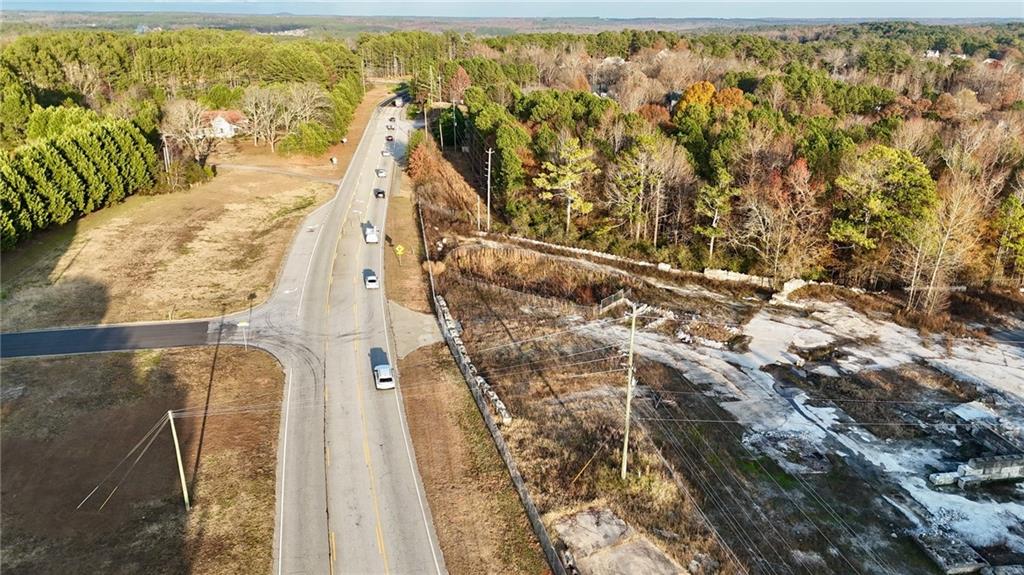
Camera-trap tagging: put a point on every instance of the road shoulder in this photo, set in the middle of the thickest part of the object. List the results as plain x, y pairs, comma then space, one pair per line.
479, 521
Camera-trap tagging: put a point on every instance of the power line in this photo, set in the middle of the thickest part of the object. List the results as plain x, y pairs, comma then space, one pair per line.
540, 337
561, 366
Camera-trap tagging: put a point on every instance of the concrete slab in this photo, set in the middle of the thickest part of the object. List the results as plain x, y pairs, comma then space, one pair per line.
412, 329
603, 544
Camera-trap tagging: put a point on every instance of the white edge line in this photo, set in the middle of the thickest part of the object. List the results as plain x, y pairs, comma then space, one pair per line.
309, 266
398, 401
284, 465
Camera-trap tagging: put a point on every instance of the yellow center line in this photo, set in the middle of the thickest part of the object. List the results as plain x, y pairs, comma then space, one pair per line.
366, 446
334, 554
359, 394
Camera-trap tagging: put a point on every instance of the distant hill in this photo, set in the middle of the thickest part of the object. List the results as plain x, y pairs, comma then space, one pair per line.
354, 25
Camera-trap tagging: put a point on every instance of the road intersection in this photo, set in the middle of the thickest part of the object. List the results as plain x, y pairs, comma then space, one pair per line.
350, 499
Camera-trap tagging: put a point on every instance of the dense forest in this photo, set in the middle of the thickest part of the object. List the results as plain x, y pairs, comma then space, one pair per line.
876, 155
881, 155
84, 115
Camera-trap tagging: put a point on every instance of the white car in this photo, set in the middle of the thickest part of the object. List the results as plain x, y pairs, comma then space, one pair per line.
370, 281
371, 235
385, 153
382, 378
380, 172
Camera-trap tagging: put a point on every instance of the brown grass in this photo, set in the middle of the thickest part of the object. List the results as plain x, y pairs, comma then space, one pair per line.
480, 522
76, 417
890, 307
406, 279
523, 270
872, 396
173, 256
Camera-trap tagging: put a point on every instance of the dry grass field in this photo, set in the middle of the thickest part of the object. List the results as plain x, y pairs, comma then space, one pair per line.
182, 255
68, 421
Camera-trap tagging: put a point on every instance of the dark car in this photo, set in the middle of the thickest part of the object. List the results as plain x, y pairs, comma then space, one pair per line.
390, 138
391, 119
378, 192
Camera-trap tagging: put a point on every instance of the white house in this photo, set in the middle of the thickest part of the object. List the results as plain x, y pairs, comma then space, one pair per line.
225, 123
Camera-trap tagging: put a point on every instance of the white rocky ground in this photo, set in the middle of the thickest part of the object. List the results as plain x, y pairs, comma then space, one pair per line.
771, 422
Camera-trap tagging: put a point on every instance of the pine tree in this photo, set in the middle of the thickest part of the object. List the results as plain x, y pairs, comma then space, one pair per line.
93, 151
30, 210
95, 187
57, 208
63, 177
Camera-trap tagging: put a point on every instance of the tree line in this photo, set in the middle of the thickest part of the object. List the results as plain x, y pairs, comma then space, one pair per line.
727, 178
60, 177
82, 113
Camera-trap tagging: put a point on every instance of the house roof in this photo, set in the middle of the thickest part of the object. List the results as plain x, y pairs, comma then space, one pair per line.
230, 116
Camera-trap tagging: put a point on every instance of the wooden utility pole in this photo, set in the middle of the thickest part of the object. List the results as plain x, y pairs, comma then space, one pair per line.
629, 392
440, 124
489, 152
181, 468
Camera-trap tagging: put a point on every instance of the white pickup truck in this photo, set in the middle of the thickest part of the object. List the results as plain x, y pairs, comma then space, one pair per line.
371, 235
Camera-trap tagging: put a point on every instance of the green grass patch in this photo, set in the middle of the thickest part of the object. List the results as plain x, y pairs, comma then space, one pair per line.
298, 205
765, 468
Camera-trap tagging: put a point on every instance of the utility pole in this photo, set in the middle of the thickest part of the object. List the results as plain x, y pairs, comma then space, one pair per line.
455, 119
489, 152
181, 468
440, 124
629, 392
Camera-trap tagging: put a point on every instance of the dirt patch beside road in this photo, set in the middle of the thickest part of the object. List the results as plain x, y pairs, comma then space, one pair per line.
174, 256
68, 421
407, 281
478, 517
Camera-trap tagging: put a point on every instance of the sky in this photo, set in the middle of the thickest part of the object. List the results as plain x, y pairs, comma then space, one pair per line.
803, 9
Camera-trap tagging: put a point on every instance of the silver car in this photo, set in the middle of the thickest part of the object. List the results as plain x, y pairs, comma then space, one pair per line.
382, 378
370, 281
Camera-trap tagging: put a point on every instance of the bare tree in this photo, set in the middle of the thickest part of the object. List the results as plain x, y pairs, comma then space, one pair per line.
784, 224
262, 106
86, 79
458, 84
185, 121
305, 103
916, 136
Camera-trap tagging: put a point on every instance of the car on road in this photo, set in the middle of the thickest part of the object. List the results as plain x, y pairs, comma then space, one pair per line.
378, 192
390, 138
390, 127
382, 378
385, 153
371, 235
370, 281
380, 172
391, 119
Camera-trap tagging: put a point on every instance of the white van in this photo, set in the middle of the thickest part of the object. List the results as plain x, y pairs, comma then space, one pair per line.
382, 378
371, 235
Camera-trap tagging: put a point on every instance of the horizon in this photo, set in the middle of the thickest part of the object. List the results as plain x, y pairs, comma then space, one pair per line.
745, 10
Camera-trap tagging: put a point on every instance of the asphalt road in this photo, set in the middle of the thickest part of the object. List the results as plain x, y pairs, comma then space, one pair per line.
350, 499
104, 338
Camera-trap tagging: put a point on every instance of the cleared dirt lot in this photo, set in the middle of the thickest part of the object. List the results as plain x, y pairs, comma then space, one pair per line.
478, 516
68, 421
181, 255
